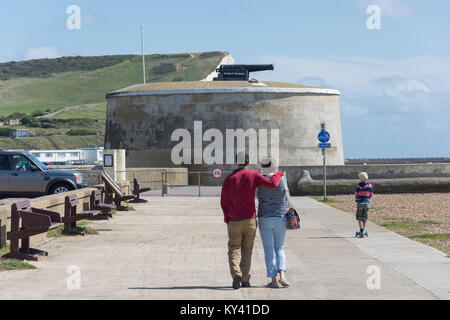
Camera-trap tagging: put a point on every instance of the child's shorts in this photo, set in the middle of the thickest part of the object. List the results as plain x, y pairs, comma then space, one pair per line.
362, 213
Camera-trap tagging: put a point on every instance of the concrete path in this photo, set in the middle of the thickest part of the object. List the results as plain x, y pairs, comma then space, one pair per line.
175, 248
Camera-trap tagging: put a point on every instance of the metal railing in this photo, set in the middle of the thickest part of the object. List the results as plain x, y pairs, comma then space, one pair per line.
197, 179
92, 178
164, 179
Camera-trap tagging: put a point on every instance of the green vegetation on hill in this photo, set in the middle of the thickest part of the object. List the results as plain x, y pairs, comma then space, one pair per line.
96, 112
70, 85
74, 88
43, 68
5, 132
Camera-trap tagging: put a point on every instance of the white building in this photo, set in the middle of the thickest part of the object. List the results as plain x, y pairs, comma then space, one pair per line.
92, 155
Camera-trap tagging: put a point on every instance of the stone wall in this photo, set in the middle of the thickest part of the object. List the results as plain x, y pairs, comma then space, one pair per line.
390, 178
381, 186
380, 171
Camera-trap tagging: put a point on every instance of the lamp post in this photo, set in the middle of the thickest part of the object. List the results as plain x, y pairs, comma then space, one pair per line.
143, 55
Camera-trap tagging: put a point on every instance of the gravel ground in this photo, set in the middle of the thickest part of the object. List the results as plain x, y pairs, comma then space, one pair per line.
422, 217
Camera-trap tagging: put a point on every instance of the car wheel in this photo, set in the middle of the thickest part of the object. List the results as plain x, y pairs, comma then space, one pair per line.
60, 188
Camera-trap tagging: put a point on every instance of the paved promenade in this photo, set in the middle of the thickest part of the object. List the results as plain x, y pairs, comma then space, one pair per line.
176, 248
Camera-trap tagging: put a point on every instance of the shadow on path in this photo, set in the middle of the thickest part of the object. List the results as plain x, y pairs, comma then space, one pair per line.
186, 288
194, 288
319, 238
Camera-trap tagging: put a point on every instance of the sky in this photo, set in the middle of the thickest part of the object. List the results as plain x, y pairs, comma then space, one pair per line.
394, 79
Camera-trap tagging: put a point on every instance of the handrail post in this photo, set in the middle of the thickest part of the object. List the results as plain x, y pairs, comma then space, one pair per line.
162, 183
199, 186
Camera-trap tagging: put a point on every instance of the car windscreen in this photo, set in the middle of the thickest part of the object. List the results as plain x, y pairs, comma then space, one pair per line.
37, 162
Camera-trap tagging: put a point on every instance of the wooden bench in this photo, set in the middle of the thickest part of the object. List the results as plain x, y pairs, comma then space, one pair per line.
71, 217
97, 204
137, 190
113, 192
25, 223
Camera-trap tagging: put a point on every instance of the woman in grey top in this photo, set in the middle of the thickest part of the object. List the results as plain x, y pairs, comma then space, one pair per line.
272, 216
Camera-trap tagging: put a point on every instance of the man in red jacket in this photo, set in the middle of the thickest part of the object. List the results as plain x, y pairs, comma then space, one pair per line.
238, 206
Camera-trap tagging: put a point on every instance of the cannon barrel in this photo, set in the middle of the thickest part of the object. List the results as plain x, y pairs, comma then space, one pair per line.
240, 72
248, 67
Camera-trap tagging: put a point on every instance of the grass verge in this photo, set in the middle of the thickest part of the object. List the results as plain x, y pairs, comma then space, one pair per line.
326, 201
81, 230
417, 231
9, 265
420, 231
438, 236
125, 208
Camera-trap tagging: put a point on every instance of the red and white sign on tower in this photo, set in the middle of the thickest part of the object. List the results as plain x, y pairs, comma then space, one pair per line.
217, 173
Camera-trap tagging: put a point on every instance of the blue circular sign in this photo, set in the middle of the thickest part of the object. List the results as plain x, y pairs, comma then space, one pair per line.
324, 137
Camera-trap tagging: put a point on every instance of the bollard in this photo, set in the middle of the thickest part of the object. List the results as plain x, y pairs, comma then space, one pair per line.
166, 188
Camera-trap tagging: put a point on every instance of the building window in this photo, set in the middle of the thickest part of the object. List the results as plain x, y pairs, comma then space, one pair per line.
20, 133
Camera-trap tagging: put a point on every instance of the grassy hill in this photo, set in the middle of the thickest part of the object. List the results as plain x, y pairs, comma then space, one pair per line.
30, 89
82, 82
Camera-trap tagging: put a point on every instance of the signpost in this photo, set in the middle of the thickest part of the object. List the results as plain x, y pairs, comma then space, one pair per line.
324, 145
108, 161
324, 138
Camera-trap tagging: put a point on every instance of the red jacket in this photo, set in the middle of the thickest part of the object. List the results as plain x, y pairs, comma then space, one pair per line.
238, 193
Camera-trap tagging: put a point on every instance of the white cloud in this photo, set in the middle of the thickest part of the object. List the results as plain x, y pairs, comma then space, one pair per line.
391, 8
375, 87
357, 74
413, 95
41, 53
408, 91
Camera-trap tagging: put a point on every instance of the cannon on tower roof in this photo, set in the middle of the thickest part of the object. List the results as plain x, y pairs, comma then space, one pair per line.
240, 72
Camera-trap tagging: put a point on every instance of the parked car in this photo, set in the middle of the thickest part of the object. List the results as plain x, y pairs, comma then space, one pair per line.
22, 174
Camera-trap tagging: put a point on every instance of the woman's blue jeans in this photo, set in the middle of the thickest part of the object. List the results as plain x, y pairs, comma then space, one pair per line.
273, 233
